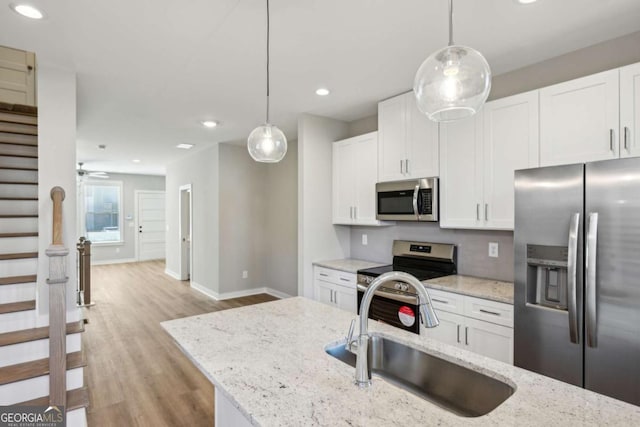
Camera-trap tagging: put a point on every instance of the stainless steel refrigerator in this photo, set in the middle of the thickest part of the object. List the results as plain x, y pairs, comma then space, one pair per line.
577, 275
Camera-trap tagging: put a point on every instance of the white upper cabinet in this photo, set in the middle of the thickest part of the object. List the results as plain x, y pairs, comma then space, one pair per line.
478, 158
461, 173
630, 111
354, 180
579, 120
407, 140
510, 142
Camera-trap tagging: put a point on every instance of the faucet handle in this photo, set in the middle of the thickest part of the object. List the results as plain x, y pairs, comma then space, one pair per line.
349, 345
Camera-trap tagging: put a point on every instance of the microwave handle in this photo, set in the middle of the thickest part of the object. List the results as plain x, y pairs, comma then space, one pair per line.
416, 191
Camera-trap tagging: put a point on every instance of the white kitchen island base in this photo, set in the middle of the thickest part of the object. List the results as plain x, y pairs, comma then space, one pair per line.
226, 414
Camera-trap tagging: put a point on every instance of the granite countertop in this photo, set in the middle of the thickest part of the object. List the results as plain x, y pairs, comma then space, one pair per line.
348, 265
269, 361
494, 290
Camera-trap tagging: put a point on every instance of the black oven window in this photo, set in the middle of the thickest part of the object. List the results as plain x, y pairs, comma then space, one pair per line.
397, 202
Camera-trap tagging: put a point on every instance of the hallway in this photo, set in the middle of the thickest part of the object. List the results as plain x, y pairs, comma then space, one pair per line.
136, 375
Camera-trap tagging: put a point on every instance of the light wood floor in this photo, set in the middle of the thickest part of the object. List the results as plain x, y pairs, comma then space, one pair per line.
136, 375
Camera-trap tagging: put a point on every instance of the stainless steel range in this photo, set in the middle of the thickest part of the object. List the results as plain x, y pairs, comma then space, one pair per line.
397, 303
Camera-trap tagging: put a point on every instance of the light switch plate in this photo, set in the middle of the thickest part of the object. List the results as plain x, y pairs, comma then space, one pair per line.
365, 241
493, 249
245, 274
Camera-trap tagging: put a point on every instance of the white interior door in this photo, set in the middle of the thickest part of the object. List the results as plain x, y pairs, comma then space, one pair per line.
186, 205
151, 225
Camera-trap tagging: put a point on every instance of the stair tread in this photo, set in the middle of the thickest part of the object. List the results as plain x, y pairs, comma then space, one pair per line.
14, 280
27, 110
18, 168
18, 183
18, 139
19, 216
19, 198
77, 398
30, 234
14, 307
18, 128
37, 368
21, 255
27, 335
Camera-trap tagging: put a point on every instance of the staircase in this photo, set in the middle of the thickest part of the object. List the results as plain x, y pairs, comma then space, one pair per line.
24, 347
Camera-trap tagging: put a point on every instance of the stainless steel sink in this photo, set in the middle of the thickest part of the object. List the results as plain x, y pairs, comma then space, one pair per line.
453, 387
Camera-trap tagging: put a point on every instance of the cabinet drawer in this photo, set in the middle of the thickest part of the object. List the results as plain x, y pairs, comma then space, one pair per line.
447, 301
335, 276
346, 279
489, 311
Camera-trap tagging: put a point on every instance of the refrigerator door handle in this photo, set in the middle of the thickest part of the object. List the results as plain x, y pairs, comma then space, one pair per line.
590, 287
572, 263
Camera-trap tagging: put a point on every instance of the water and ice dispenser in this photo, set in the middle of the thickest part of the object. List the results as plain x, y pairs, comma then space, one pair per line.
547, 276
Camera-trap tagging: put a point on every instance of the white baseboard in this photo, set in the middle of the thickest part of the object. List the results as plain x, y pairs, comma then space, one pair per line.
172, 274
114, 261
237, 294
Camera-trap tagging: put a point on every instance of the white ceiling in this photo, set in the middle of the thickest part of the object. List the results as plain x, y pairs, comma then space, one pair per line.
150, 70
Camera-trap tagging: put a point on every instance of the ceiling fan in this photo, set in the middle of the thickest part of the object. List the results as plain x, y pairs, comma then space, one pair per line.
83, 173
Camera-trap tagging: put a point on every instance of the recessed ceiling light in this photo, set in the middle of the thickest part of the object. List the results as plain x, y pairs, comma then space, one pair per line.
27, 11
526, 1
209, 123
323, 91
185, 146
136, 160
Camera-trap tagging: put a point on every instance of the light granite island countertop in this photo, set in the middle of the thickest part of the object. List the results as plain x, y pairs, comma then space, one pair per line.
268, 364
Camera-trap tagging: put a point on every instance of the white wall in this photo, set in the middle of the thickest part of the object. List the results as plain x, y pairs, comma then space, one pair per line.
200, 169
56, 167
318, 239
130, 184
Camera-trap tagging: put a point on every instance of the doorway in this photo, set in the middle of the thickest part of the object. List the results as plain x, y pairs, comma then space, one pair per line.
151, 225
186, 222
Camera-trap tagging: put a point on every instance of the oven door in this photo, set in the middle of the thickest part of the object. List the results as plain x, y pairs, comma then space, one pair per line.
397, 201
399, 311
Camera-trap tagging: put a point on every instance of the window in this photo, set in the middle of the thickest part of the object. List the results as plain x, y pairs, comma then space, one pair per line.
103, 212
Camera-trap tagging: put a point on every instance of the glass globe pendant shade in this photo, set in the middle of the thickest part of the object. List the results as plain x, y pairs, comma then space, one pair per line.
267, 144
452, 83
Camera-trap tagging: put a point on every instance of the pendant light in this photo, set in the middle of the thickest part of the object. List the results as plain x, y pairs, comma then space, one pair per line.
267, 143
452, 83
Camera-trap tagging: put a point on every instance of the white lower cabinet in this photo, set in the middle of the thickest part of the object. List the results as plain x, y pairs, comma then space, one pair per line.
335, 288
482, 326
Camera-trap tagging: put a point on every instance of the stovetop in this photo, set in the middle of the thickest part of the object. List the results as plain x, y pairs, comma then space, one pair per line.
418, 273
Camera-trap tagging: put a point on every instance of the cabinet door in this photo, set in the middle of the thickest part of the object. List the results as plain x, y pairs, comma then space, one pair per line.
489, 339
510, 143
391, 139
323, 292
346, 298
422, 141
630, 111
365, 155
461, 173
579, 120
343, 184
449, 331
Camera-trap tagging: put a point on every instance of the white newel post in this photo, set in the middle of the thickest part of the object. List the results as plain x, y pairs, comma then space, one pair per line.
57, 281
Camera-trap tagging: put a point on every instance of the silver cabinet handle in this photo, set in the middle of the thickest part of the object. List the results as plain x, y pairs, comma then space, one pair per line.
355, 212
401, 163
590, 287
344, 280
626, 138
415, 201
611, 136
440, 301
466, 335
458, 333
478, 211
406, 166
572, 265
486, 211
482, 310
324, 275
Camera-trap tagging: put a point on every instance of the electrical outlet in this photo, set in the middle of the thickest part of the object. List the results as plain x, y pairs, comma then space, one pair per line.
365, 241
245, 274
117, 250
493, 249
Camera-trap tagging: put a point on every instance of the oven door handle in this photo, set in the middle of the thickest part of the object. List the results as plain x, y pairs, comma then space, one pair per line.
416, 191
407, 299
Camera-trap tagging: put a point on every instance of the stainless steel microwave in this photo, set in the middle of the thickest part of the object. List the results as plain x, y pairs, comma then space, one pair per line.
412, 200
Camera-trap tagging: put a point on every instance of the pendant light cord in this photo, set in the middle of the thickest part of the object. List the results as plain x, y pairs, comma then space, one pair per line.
268, 46
450, 22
